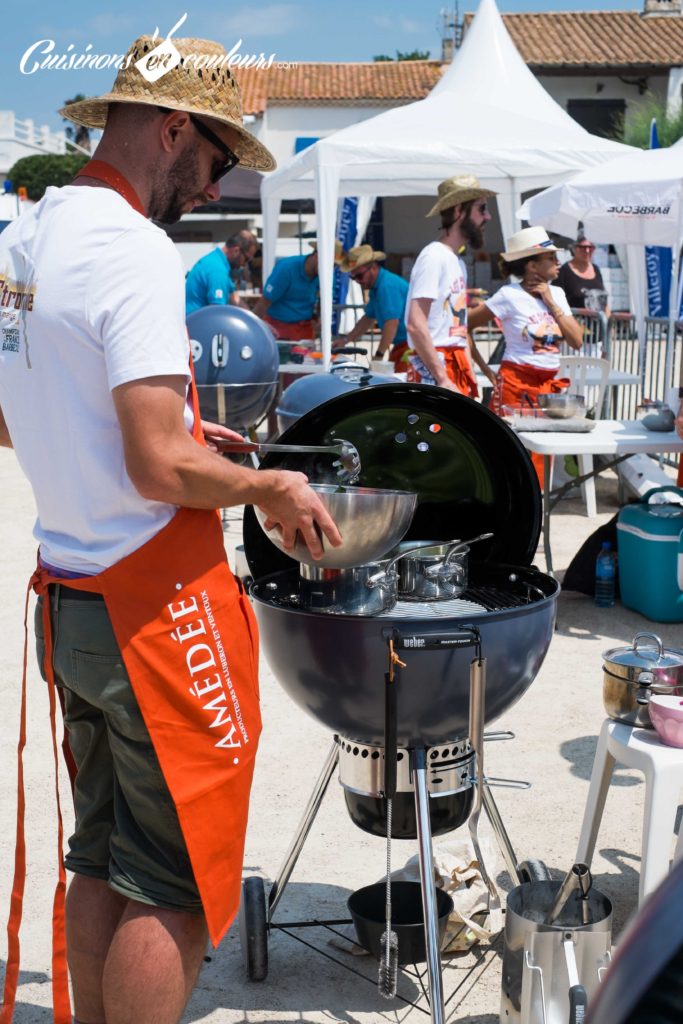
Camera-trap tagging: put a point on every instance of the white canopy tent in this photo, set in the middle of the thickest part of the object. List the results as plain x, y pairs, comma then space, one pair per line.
488, 116
634, 200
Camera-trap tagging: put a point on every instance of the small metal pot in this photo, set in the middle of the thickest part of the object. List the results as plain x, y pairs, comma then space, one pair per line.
362, 590
436, 573
633, 674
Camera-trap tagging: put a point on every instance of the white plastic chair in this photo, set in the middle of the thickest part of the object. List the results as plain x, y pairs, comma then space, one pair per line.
578, 369
662, 767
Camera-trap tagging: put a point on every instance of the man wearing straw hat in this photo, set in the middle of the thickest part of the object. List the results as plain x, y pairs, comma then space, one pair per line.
386, 305
436, 310
141, 626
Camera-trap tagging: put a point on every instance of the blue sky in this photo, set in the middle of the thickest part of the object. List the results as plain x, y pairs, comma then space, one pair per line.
346, 30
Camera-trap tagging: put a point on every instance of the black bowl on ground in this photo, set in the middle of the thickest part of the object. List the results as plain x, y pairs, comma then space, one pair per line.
367, 909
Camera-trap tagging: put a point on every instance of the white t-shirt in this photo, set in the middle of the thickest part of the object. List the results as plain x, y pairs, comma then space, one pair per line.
527, 323
91, 296
439, 275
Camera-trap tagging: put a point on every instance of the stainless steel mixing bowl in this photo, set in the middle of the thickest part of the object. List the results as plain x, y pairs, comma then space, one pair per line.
561, 406
370, 520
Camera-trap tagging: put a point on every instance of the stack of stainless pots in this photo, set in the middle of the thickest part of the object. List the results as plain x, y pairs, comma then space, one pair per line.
631, 675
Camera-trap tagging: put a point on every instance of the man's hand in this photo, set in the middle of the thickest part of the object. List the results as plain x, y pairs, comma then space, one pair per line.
211, 430
295, 508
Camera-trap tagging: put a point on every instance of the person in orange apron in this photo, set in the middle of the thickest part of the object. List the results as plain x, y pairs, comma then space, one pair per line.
436, 308
535, 318
143, 632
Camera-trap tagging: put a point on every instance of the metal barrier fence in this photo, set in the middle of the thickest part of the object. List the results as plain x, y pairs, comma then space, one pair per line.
616, 339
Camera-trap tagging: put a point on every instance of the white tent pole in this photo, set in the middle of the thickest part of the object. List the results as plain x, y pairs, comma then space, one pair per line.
326, 195
507, 211
366, 205
638, 295
270, 209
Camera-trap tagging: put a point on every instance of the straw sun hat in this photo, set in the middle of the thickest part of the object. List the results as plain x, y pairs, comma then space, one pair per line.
459, 189
339, 250
196, 82
360, 256
528, 242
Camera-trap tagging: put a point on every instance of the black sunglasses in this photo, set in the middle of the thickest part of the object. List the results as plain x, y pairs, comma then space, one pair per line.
231, 159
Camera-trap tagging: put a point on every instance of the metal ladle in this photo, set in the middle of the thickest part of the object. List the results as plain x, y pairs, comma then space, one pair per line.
435, 570
348, 464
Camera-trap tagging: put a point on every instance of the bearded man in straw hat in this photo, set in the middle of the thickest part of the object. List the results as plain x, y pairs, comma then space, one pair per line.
436, 311
386, 305
289, 304
140, 624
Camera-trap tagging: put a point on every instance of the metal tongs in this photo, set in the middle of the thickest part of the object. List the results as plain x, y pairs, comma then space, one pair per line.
347, 465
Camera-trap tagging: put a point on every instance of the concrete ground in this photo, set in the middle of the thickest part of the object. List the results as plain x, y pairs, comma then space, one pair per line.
556, 726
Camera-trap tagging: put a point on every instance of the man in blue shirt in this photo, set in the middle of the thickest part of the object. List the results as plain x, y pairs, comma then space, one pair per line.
211, 282
290, 296
386, 305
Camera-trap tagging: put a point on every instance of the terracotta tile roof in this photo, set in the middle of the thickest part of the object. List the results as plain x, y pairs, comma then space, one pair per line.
385, 83
596, 39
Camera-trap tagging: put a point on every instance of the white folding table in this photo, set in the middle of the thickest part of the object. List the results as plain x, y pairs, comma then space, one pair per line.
618, 438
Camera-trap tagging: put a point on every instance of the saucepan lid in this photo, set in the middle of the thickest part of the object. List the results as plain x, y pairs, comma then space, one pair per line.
471, 472
645, 654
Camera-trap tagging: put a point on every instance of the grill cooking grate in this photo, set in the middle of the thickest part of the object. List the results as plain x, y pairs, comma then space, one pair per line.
495, 599
433, 609
511, 592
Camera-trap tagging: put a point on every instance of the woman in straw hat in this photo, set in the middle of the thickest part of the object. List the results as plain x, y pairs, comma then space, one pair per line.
535, 318
140, 623
436, 310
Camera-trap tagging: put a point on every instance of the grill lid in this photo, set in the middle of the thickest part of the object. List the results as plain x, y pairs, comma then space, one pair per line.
471, 472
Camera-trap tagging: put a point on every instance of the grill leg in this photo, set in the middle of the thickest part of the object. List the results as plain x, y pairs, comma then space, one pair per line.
424, 836
477, 706
301, 834
502, 837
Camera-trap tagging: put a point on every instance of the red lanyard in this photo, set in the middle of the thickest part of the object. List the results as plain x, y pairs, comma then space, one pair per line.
110, 176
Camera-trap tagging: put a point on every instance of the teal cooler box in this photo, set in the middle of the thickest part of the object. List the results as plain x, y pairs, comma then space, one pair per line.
650, 546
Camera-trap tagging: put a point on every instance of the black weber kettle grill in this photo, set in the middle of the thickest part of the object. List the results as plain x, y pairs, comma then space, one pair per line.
235, 364
464, 660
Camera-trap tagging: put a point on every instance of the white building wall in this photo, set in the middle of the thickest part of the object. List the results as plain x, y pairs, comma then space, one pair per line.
602, 87
23, 138
281, 125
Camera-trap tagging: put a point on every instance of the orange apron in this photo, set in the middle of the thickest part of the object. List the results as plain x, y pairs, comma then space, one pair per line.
188, 639
298, 330
458, 367
515, 381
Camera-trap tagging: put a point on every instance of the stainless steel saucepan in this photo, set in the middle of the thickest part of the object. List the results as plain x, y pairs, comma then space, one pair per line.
633, 674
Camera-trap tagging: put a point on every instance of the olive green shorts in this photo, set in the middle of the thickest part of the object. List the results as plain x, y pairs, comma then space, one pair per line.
127, 829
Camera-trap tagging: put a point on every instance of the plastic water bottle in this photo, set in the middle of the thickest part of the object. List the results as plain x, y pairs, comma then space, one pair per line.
604, 577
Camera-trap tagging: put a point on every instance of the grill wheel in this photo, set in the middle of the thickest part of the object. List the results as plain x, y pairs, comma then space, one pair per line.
254, 928
534, 871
